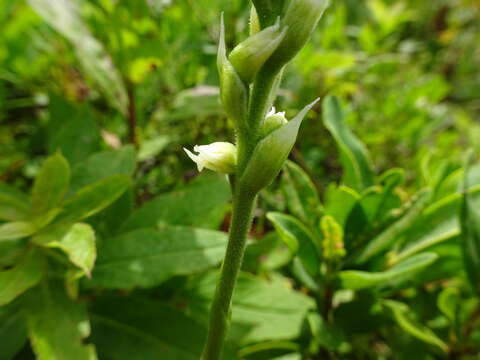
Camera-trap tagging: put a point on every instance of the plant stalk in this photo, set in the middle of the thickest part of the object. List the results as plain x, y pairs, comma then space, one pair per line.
243, 203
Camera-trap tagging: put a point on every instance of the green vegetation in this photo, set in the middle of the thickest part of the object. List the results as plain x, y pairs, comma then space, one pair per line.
353, 234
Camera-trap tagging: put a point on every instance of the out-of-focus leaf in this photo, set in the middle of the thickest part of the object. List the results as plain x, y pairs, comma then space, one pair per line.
65, 17
51, 184
470, 234
56, 325
339, 202
356, 280
94, 198
324, 334
14, 206
102, 165
298, 238
12, 332
262, 310
202, 204
77, 241
386, 239
449, 302
147, 257
401, 313
300, 193
16, 230
133, 328
358, 173
268, 350
20, 278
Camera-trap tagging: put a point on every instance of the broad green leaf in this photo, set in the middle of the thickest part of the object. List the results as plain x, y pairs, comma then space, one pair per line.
470, 235
57, 326
402, 315
147, 257
202, 204
51, 184
94, 198
324, 334
339, 202
102, 165
27, 273
298, 238
268, 350
262, 310
77, 241
357, 166
300, 193
387, 238
356, 280
14, 205
65, 17
135, 328
12, 332
16, 230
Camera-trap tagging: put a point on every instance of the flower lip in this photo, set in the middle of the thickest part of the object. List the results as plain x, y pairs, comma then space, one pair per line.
218, 156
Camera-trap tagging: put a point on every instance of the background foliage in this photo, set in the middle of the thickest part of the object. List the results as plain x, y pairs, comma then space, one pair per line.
367, 246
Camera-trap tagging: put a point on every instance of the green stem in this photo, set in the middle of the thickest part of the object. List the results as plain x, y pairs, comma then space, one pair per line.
243, 203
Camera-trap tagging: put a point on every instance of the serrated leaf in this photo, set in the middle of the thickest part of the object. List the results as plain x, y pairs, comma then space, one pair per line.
51, 184
401, 313
298, 238
357, 165
94, 198
77, 241
26, 274
147, 257
356, 280
56, 325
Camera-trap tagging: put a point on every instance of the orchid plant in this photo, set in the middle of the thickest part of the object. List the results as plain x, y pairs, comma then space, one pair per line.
249, 79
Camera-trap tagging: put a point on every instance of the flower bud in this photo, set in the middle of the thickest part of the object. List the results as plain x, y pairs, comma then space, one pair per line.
249, 56
300, 19
332, 244
271, 152
233, 91
272, 122
218, 156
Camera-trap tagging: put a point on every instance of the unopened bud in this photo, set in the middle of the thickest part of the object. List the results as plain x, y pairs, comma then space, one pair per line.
271, 152
250, 55
233, 92
300, 19
332, 244
272, 122
218, 156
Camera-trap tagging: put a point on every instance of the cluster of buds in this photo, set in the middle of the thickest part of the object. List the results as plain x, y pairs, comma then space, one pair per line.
267, 50
332, 244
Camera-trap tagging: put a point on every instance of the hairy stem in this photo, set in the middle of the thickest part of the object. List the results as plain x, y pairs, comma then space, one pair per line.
243, 203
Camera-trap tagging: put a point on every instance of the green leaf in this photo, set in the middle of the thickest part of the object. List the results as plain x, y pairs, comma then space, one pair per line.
387, 238
94, 198
51, 184
202, 204
134, 328
298, 238
147, 257
56, 325
26, 274
102, 165
356, 280
262, 310
16, 230
449, 302
14, 205
300, 193
402, 315
357, 165
12, 332
65, 17
77, 241
339, 202
470, 235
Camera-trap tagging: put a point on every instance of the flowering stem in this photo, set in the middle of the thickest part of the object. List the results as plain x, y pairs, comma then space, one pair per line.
243, 203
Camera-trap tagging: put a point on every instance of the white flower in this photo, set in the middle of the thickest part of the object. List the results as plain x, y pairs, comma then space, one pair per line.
273, 112
218, 156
